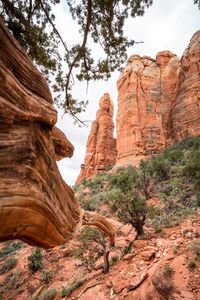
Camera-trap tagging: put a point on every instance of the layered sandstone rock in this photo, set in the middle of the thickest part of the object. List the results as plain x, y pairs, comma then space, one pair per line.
35, 203
186, 112
158, 102
147, 89
101, 146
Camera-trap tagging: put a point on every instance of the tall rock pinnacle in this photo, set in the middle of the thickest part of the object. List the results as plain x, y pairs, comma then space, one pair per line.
101, 145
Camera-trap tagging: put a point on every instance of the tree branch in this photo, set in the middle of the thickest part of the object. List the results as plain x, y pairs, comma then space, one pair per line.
52, 24
68, 76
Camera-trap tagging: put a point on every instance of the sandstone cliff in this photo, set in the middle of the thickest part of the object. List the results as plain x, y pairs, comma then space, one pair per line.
101, 145
158, 102
36, 205
186, 112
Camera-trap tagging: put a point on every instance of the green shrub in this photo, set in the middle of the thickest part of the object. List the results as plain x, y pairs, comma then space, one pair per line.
47, 276
173, 154
132, 209
175, 249
35, 260
12, 281
90, 204
124, 179
192, 264
8, 265
176, 184
195, 247
160, 168
66, 291
167, 270
47, 295
111, 197
114, 259
11, 247
192, 168
127, 249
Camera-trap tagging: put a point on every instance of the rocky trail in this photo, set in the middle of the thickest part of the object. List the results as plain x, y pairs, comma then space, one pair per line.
157, 267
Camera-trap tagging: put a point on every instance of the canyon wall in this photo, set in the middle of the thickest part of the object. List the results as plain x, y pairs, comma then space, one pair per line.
101, 146
186, 112
158, 102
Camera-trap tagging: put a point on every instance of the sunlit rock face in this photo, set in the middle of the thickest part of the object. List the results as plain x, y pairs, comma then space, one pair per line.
147, 88
101, 146
186, 112
158, 102
36, 205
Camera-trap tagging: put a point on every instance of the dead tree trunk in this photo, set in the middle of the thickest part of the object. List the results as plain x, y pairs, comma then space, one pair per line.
35, 203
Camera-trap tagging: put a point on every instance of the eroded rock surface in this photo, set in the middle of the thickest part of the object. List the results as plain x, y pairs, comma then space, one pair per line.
101, 146
147, 89
36, 205
186, 112
158, 103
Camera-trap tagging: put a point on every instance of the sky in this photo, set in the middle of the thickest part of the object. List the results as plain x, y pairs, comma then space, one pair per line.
166, 25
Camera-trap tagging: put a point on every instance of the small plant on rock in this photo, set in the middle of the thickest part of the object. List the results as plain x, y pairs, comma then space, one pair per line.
66, 291
93, 245
132, 209
50, 294
35, 260
195, 247
192, 264
167, 271
47, 276
8, 265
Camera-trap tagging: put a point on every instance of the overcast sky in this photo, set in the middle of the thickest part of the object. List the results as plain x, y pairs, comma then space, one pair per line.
166, 25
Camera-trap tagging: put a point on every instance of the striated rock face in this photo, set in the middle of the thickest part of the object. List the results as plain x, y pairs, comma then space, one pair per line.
158, 102
147, 89
36, 205
186, 112
101, 145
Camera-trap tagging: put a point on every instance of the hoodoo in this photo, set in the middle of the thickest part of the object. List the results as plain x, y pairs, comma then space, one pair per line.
101, 146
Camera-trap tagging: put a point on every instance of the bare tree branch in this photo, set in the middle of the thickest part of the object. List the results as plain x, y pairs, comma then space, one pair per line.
52, 24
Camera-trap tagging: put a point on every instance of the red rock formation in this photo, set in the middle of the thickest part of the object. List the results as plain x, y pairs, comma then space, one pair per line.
147, 88
101, 145
158, 103
35, 203
186, 112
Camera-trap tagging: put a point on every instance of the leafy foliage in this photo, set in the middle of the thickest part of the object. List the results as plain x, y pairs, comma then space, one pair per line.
124, 179
47, 276
132, 209
11, 282
10, 247
173, 177
35, 260
102, 22
50, 294
66, 291
9, 264
93, 245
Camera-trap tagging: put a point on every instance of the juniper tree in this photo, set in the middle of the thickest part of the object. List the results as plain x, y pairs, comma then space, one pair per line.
33, 24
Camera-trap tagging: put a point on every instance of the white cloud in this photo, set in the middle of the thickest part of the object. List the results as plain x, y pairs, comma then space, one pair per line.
167, 25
